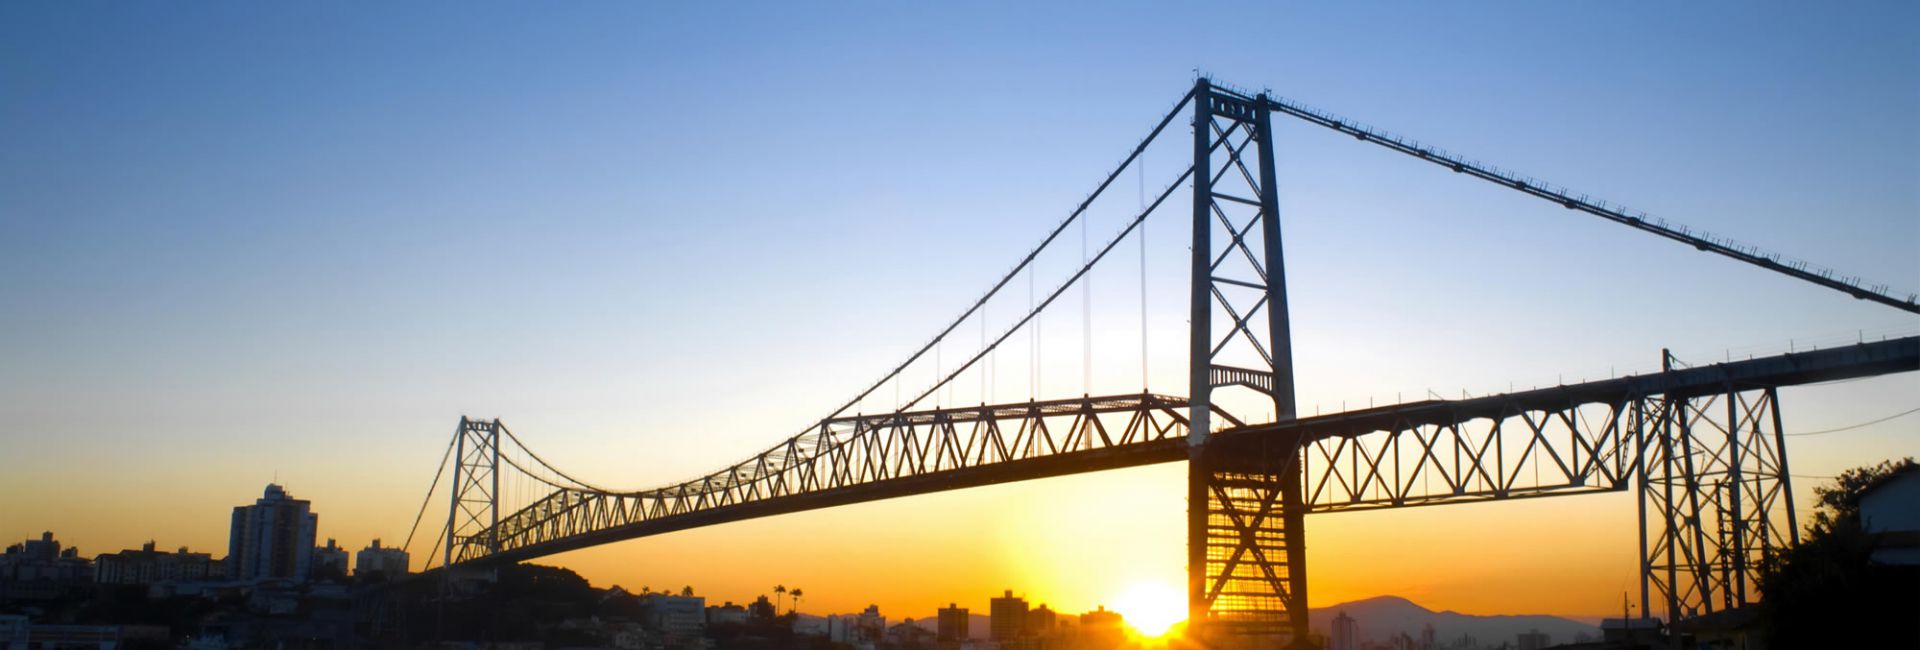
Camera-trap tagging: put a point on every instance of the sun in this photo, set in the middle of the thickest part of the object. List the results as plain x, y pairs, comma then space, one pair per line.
1151, 608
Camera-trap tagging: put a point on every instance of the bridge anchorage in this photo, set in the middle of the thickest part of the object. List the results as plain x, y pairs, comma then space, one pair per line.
1702, 447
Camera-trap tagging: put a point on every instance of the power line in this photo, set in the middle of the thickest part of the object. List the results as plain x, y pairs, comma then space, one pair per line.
1901, 414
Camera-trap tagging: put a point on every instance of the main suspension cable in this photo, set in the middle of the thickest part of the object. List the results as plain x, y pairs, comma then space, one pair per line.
1704, 241
435, 486
577, 483
1024, 262
1034, 313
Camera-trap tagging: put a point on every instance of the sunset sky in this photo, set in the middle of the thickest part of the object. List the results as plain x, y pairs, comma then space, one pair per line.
243, 243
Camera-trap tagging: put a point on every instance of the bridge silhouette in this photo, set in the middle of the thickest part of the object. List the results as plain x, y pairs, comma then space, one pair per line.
1702, 446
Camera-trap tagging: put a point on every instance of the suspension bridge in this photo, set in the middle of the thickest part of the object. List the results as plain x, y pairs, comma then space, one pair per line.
1702, 446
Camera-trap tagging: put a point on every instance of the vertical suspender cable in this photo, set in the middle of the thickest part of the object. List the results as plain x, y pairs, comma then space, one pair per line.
1086, 319
1141, 168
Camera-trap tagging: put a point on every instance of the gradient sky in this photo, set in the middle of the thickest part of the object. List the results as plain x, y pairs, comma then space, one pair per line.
242, 242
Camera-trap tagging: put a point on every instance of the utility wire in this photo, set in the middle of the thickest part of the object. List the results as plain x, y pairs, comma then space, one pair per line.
1901, 414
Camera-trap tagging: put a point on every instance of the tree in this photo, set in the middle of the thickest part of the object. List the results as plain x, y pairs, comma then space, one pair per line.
1826, 591
797, 593
687, 591
779, 594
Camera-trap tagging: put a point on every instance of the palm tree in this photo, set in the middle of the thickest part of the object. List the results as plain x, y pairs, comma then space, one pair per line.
687, 591
779, 593
797, 593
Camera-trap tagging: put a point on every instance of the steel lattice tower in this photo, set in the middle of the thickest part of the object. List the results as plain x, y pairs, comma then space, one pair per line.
474, 511
1246, 556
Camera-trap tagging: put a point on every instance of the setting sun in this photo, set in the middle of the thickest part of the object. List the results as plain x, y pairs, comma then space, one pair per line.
1151, 608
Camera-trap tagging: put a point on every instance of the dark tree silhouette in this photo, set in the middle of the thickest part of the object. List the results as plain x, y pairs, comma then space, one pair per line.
1826, 591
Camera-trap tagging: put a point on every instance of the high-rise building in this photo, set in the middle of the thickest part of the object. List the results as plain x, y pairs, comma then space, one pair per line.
1346, 633
1008, 617
272, 539
1534, 640
44, 550
1102, 627
388, 561
953, 622
762, 609
329, 561
1040, 620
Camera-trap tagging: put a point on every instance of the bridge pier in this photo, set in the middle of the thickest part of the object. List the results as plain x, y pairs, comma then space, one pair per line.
1715, 499
1247, 544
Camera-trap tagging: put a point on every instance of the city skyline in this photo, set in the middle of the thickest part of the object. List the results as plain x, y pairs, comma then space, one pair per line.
225, 284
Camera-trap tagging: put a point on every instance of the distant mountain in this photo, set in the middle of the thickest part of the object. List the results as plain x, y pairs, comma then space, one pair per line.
1381, 617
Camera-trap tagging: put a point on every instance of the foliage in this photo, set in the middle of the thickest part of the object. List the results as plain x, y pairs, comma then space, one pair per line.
1841, 503
1826, 591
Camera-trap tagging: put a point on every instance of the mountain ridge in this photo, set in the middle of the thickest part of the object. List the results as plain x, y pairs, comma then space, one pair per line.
1380, 618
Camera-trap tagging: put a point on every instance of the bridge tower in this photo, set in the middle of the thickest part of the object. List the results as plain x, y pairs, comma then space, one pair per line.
474, 511
1246, 556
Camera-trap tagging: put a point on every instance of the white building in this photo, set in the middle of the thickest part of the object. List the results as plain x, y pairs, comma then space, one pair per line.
677, 616
330, 561
864, 629
272, 539
1891, 511
804, 625
387, 561
726, 614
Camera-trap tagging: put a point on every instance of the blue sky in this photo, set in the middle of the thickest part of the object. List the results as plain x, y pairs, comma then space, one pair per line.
297, 233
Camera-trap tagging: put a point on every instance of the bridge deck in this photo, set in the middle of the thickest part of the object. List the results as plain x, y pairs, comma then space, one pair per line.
881, 457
